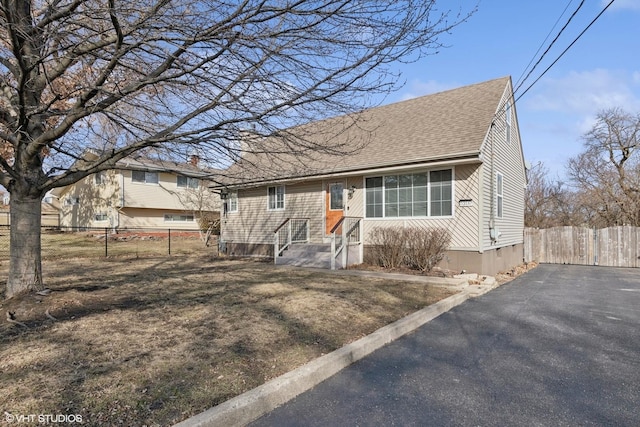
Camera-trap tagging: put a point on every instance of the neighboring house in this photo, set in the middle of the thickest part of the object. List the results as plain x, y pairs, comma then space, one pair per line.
138, 193
50, 214
452, 159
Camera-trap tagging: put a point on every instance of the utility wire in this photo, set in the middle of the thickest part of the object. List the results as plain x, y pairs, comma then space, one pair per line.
565, 51
550, 45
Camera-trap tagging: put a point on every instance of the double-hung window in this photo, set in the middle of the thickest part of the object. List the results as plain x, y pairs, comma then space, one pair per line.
275, 197
373, 197
422, 194
187, 182
144, 177
99, 178
232, 202
441, 193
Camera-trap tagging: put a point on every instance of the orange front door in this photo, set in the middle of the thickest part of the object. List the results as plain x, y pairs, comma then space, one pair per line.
334, 205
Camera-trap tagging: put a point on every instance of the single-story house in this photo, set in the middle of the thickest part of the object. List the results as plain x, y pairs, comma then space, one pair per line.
452, 159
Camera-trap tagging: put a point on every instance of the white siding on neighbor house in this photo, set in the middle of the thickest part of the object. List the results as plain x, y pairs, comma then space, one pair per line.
506, 158
463, 225
254, 223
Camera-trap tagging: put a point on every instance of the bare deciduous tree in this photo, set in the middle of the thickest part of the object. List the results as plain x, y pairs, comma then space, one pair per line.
549, 202
206, 207
606, 175
119, 77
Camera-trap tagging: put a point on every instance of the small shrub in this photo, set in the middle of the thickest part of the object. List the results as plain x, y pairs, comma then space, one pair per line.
388, 246
414, 247
425, 247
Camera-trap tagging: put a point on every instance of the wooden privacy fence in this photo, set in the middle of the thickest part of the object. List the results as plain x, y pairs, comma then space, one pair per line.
613, 246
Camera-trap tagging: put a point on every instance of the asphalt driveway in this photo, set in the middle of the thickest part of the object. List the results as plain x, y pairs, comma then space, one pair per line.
559, 346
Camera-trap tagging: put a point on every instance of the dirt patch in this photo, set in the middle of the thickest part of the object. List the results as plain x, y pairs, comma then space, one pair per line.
154, 341
501, 277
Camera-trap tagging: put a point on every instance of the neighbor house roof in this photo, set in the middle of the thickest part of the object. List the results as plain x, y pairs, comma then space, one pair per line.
446, 125
191, 168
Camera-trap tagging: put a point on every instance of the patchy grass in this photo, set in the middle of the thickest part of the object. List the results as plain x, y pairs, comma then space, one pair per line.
154, 341
133, 243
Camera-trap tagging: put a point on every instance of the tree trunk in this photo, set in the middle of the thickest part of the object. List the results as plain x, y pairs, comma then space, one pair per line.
25, 266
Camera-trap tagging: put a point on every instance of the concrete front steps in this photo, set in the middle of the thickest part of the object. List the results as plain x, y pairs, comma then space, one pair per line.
308, 255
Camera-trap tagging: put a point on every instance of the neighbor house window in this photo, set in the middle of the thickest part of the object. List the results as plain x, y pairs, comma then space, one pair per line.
144, 177
409, 195
276, 197
178, 217
99, 178
499, 194
101, 217
70, 201
188, 182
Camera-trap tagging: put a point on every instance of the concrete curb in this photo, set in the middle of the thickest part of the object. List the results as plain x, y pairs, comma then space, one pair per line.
251, 405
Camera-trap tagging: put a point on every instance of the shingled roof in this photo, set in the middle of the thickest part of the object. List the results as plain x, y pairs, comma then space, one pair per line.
445, 125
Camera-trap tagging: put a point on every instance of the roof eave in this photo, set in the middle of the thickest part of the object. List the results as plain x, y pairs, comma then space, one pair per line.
458, 159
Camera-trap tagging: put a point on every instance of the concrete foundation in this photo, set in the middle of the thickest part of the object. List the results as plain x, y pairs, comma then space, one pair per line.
489, 262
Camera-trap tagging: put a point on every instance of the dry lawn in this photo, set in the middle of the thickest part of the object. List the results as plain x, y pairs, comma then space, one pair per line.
154, 341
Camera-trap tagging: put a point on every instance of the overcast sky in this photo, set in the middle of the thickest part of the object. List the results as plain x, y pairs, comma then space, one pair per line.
600, 71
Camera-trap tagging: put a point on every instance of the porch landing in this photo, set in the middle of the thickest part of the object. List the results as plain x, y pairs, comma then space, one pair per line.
308, 255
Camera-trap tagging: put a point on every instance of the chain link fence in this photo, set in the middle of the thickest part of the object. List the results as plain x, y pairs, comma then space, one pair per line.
60, 243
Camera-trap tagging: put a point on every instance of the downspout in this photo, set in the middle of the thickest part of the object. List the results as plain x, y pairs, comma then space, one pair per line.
481, 209
121, 197
121, 190
492, 210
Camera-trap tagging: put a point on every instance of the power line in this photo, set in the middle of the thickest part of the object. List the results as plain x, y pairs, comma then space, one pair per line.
520, 83
565, 51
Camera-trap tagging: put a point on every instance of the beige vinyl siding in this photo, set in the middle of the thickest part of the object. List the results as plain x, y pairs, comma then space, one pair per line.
506, 158
463, 225
355, 204
126, 204
92, 199
163, 195
254, 223
154, 218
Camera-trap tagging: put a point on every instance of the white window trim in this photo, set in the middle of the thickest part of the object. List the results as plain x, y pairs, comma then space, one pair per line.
284, 198
428, 216
499, 195
233, 195
170, 215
